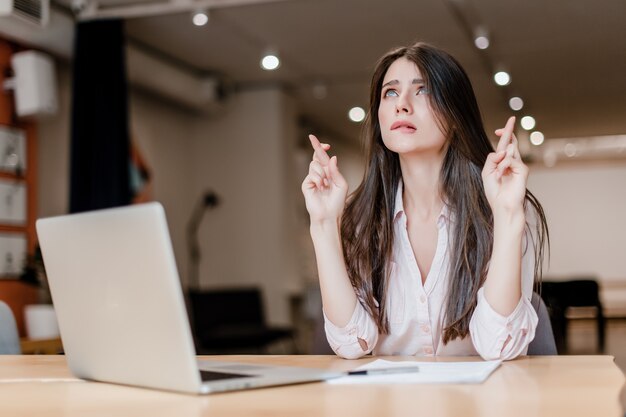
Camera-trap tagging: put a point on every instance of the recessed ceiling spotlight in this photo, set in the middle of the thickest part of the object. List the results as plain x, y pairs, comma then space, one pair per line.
200, 17
356, 114
502, 78
481, 42
270, 61
481, 38
516, 103
528, 122
536, 138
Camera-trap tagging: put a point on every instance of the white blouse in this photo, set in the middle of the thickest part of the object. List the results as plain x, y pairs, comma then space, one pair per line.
416, 311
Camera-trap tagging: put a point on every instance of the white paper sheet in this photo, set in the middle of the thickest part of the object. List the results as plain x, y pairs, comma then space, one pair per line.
429, 373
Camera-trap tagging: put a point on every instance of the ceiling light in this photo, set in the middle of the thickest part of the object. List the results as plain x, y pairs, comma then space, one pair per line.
356, 114
270, 61
481, 42
502, 78
528, 122
516, 103
536, 138
200, 18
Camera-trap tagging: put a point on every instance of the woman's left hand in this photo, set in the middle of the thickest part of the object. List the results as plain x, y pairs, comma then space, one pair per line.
505, 174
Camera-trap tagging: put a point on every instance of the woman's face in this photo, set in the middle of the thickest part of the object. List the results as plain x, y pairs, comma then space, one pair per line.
407, 123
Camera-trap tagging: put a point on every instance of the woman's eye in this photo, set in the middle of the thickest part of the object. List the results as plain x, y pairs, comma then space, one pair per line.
422, 90
391, 93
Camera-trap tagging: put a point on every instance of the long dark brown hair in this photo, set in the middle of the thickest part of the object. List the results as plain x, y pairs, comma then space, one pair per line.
367, 222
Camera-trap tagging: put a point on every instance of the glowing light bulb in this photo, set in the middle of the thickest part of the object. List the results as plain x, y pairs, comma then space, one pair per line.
200, 18
528, 122
536, 138
356, 114
502, 78
270, 62
516, 103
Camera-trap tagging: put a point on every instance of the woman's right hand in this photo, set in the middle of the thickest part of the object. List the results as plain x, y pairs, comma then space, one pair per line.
324, 189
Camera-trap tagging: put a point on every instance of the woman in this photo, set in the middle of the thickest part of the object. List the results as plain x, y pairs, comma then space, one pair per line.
437, 250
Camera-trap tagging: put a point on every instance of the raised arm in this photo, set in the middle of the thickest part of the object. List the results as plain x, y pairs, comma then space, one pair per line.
325, 191
504, 179
504, 321
351, 332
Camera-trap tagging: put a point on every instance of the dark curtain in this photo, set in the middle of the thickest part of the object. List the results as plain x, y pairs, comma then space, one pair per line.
100, 144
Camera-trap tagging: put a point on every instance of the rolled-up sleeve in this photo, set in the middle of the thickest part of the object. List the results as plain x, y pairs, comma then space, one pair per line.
498, 337
345, 340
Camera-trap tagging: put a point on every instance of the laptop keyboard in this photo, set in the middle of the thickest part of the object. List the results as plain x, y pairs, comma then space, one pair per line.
216, 376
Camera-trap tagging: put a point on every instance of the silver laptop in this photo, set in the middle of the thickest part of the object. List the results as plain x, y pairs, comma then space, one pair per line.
121, 311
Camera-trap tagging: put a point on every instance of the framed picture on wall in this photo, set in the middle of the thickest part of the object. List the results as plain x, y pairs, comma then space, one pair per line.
12, 150
13, 202
12, 254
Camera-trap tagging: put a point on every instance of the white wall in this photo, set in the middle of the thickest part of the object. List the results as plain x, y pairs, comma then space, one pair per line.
246, 156
586, 210
164, 135
585, 206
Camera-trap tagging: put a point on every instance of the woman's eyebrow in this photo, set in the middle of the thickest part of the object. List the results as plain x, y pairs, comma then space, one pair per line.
396, 82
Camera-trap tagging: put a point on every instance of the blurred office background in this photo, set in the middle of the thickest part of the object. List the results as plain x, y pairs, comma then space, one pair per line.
207, 121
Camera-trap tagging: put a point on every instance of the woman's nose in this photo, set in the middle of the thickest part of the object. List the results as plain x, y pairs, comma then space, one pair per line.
403, 105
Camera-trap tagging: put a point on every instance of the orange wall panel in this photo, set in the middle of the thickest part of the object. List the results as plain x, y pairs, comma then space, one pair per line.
17, 295
6, 98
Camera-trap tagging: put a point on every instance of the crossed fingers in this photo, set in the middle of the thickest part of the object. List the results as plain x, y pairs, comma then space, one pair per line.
319, 162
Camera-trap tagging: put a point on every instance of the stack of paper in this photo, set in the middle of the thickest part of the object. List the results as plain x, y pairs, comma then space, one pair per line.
429, 373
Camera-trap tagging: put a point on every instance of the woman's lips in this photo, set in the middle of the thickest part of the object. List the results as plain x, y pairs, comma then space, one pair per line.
403, 126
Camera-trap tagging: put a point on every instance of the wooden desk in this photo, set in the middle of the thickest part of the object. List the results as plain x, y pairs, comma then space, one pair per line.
535, 386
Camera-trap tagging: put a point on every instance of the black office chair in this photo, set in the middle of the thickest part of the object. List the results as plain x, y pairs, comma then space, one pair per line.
233, 321
543, 343
560, 295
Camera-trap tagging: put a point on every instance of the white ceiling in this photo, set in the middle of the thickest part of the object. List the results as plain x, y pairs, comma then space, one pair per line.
567, 58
